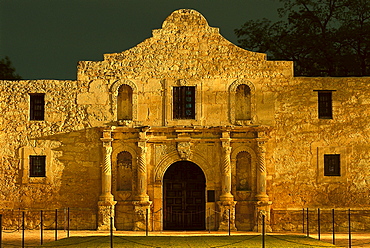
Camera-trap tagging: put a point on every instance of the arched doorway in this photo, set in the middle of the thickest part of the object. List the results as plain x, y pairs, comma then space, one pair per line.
184, 197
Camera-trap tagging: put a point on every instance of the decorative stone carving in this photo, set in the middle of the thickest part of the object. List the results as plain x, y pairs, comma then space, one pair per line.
227, 215
261, 177
106, 200
262, 208
107, 163
141, 208
184, 150
105, 212
142, 170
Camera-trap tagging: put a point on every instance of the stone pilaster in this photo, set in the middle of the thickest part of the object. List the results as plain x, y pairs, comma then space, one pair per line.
142, 183
141, 203
226, 203
261, 172
106, 200
263, 205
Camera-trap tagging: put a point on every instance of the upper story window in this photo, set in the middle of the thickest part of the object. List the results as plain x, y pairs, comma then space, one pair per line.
184, 102
37, 166
243, 103
37, 107
332, 165
124, 103
325, 104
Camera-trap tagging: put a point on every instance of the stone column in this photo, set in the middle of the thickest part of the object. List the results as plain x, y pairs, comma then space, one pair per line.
263, 204
141, 202
226, 203
261, 172
106, 200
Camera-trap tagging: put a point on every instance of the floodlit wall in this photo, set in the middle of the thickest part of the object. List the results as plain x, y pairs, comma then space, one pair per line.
186, 52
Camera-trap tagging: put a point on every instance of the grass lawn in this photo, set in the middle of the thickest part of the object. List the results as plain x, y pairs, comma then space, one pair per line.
190, 241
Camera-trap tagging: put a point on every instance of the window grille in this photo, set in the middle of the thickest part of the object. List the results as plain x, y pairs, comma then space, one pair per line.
37, 166
184, 102
37, 107
325, 105
332, 165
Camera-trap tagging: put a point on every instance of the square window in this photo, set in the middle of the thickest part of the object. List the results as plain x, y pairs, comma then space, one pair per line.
325, 105
37, 166
37, 107
184, 102
332, 165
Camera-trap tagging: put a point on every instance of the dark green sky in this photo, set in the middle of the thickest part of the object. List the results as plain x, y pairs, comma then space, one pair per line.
46, 38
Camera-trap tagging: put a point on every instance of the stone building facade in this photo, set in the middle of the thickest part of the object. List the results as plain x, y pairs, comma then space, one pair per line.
190, 129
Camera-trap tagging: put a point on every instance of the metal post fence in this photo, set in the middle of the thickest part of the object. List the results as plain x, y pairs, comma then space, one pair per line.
229, 222
68, 223
349, 229
263, 231
146, 222
303, 219
318, 224
111, 232
23, 229
308, 225
1, 230
209, 221
41, 229
333, 219
56, 224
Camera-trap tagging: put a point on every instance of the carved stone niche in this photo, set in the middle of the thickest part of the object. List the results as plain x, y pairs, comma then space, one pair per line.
184, 150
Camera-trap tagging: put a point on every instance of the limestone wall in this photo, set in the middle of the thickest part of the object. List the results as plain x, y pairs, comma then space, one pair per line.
185, 52
66, 137
300, 140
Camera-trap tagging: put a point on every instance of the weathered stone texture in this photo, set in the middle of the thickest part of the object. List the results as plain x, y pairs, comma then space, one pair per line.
283, 139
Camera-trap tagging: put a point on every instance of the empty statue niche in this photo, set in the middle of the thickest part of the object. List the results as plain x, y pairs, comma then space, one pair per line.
243, 171
243, 103
124, 103
124, 171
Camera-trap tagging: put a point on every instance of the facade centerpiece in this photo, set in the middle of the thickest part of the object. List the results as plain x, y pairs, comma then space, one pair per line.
185, 131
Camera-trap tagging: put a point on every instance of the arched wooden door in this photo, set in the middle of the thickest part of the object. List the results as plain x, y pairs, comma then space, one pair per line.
184, 197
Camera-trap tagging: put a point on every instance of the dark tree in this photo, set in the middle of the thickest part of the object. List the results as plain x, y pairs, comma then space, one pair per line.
322, 37
7, 71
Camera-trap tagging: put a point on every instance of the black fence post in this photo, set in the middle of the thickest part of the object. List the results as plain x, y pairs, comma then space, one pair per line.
1, 230
19, 219
68, 223
318, 223
41, 229
229, 221
209, 221
308, 225
349, 229
303, 219
23, 227
111, 232
263, 231
56, 224
146, 222
333, 219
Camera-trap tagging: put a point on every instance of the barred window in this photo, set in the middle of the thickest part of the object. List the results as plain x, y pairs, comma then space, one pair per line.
184, 102
37, 107
37, 166
325, 104
332, 165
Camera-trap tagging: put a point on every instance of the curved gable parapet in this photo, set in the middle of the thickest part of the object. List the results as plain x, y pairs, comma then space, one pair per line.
186, 47
185, 18
185, 21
